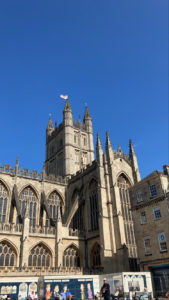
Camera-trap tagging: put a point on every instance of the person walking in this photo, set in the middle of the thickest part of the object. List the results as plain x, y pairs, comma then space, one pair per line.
105, 290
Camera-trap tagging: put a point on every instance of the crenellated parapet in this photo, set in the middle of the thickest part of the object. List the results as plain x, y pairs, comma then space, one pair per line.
17, 171
26, 173
84, 170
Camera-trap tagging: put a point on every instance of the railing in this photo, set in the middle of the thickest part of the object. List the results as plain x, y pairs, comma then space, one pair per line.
11, 227
42, 230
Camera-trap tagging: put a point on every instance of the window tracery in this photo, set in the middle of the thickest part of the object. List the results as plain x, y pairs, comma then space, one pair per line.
28, 196
54, 203
96, 256
39, 257
7, 255
71, 258
93, 199
124, 185
3, 202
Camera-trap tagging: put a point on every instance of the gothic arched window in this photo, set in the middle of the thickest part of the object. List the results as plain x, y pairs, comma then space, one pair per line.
124, 185
7, 255
96, 259
29, 196
78, 218
93, 199
71, 258
3, 202
54, 203
39, 257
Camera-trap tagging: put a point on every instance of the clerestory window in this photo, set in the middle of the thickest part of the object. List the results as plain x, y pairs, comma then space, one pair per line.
55, 204
28, 196
3, 202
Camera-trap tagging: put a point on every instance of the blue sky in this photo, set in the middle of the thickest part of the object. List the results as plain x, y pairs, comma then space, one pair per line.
111, 54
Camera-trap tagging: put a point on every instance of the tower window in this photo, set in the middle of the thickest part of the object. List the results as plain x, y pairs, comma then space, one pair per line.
84, 141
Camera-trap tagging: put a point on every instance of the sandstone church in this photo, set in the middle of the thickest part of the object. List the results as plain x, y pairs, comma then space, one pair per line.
75, 216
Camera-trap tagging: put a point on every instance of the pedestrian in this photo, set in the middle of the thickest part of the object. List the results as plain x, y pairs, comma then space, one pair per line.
145, 294
63, 295
105, 290
68, 294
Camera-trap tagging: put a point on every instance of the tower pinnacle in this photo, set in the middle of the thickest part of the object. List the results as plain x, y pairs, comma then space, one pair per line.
109, 150
50, 123
87, 114
133, 159
67, 106
99, 151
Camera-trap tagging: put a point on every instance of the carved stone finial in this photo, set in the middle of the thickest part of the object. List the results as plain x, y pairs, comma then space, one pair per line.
17, 161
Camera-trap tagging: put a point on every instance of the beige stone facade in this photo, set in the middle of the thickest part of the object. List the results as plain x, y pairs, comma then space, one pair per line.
150, 206
75, 216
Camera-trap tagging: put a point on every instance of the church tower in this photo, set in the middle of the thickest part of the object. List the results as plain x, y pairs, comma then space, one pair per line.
69, 147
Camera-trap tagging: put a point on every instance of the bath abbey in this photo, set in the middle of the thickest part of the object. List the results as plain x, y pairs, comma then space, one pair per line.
76, 215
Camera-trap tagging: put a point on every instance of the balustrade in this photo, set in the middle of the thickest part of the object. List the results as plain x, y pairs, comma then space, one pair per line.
75, 232
42, 230
10, 227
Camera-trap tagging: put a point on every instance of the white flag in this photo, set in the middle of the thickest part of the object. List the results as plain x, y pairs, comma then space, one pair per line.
64, 97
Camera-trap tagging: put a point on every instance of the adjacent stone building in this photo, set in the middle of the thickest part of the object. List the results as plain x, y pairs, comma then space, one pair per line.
150, 207
75, 216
